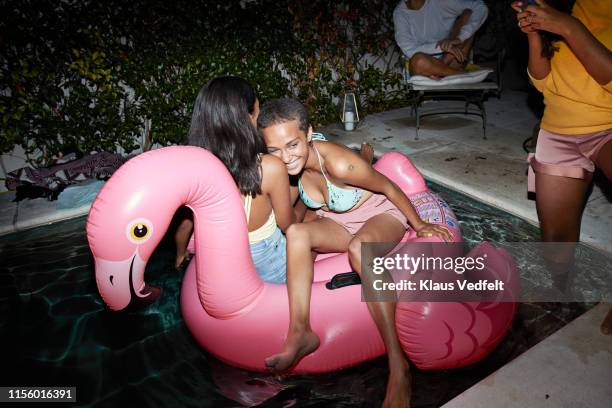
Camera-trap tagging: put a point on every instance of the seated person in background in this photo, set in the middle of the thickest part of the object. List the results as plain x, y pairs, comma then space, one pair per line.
437, 35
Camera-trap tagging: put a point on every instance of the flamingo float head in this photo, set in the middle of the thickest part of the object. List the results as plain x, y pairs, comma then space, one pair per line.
123, 228
132, 213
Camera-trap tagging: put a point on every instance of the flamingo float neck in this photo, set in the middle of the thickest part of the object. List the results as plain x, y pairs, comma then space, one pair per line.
139, 202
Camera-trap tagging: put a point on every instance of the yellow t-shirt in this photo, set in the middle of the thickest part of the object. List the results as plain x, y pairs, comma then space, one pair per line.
575, 102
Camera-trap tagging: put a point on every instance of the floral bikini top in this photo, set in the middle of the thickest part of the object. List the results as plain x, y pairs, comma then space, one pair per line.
340, 199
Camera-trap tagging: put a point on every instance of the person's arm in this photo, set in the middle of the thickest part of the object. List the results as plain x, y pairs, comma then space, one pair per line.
461, 21
293, 191
300, 211
276, 185
538, 65
299, 208
353, 170
407, 43
471, 15
451, 43
593, 55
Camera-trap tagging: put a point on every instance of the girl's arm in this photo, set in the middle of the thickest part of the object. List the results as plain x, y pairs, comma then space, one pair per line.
594, 56
276, 184
538, 65
353, 170
300, 210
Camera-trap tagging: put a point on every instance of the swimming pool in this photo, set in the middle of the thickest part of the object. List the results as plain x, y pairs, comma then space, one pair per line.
56, 331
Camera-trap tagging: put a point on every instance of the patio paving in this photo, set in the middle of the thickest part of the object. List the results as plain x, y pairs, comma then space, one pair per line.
569, 369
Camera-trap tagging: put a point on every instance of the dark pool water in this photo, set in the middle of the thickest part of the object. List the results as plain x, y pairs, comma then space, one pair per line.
55, 330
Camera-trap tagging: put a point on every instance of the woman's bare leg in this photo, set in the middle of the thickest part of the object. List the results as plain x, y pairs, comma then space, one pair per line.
322, 235
559, 202
385, 228
181, 239
604, 162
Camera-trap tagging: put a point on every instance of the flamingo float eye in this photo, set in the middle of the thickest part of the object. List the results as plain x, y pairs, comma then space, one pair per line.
139, 230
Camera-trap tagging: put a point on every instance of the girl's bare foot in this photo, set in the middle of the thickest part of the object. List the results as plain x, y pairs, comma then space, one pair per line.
297, 345
399, 388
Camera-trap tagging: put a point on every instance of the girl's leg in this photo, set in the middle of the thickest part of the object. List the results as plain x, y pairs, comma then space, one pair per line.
181, 239
385, 228
321, 235
559, 203
604, 162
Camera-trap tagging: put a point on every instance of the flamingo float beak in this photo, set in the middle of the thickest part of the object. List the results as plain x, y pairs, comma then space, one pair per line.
121, 284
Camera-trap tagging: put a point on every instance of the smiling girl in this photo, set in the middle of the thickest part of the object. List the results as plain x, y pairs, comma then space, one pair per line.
354, 204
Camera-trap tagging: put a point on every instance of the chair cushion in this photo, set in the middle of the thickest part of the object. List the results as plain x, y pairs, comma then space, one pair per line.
467, 78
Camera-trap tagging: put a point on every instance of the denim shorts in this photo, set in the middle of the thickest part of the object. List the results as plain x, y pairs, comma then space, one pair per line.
270, 258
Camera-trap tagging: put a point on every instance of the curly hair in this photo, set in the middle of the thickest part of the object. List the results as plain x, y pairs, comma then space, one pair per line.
283, 110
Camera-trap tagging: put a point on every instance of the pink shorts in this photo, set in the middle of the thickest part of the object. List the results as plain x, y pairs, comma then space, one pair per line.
566, 155
353, 220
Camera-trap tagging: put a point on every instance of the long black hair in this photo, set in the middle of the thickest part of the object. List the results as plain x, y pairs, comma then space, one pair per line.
221, 123
549, 39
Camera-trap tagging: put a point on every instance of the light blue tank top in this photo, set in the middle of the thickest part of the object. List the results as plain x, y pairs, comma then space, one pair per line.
340, 199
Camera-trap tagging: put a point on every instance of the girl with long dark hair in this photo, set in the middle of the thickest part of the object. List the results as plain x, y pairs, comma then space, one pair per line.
224, 122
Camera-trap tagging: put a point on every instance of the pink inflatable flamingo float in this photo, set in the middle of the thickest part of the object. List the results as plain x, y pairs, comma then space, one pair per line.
230, 311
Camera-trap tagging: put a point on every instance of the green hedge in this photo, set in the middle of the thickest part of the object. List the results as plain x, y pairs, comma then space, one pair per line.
91, 75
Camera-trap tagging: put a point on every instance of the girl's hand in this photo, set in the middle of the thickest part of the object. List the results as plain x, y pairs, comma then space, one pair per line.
426, 230
545, 18
524, 18
517, 6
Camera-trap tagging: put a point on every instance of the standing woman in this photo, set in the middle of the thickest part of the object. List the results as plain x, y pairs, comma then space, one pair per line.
224, 122
570, 62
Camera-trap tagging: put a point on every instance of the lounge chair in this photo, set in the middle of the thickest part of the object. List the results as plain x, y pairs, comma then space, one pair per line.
472, 88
